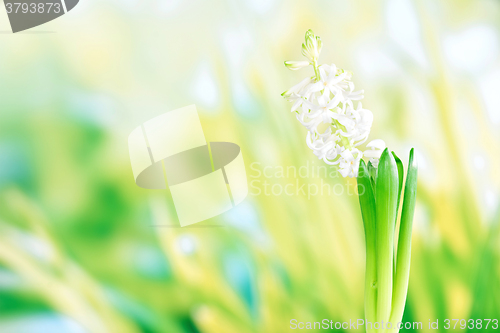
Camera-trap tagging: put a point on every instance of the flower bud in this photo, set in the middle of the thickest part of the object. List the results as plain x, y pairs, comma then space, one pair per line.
312, 46
294, 65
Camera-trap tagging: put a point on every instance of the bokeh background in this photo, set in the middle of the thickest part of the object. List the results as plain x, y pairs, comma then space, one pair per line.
83, 249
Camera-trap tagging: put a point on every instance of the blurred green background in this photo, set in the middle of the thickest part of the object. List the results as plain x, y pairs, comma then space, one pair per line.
83, 249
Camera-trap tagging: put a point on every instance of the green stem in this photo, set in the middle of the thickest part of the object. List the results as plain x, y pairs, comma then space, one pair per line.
345, 141
316, 70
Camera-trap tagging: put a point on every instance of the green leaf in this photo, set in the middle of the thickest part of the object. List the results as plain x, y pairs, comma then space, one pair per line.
401, 173
404, 245
368, 212
400, 187
386, 197
372, 171
366, 199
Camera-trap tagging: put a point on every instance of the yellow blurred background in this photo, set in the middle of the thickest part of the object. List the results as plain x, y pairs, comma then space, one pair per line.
83, 249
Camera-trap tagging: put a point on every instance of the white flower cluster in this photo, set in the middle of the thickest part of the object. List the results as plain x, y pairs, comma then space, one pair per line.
325, 106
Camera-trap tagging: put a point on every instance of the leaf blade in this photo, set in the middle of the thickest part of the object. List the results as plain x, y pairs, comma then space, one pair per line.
368, 213
402, 275
385, 205
401, 173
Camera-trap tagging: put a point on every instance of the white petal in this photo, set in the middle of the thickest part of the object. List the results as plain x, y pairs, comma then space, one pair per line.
337, 79
318, 86
347, 155
296, 88
330, 162
297, 104
377, 144
334, 102
343, 120
344, 172
373, 153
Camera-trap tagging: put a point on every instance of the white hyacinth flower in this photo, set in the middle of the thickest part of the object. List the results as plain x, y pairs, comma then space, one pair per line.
349, 163
328, 98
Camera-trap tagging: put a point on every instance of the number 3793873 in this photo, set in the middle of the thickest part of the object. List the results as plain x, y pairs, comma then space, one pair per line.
477, 324
33, 8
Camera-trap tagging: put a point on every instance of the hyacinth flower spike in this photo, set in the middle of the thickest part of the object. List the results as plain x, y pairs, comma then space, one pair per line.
328, 97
